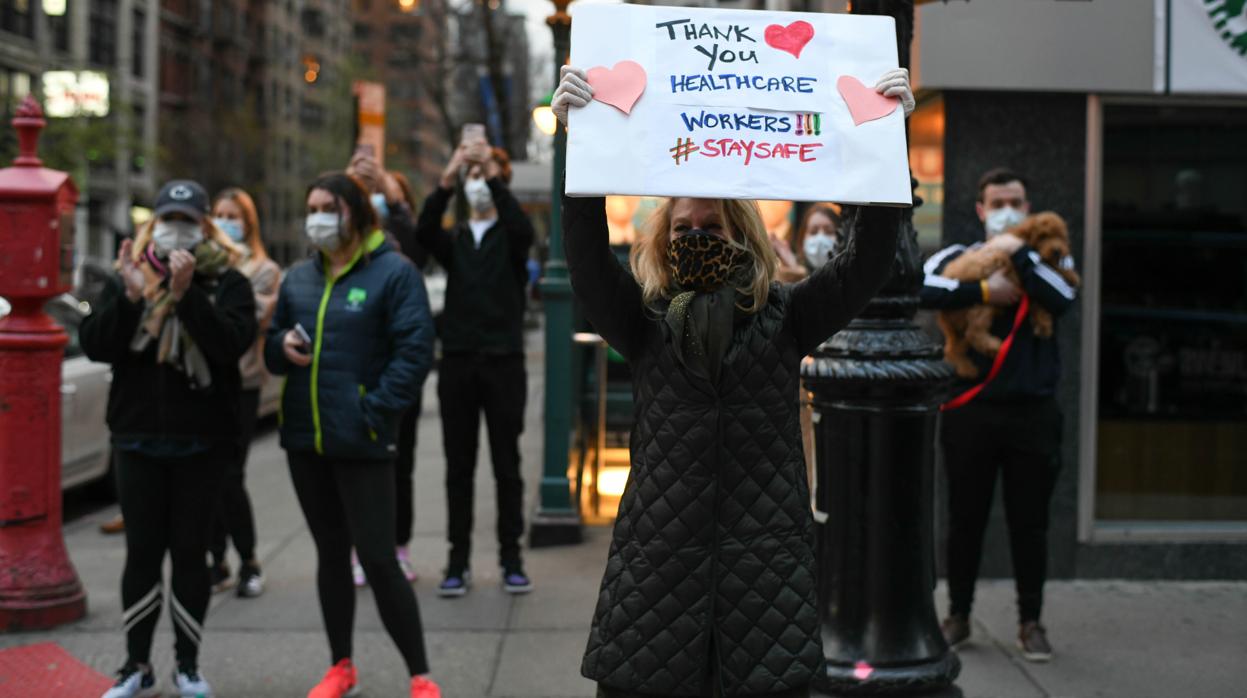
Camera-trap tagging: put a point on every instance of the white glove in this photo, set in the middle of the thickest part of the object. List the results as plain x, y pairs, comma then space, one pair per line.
896, 84
573, 91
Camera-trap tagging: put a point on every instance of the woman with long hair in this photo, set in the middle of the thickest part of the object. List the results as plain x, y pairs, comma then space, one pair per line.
234, 213
173, 325
353, 336
709, 587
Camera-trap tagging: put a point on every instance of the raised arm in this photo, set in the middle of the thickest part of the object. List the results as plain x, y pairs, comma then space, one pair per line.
610, 296
833, 295
1042, 282
106, 333
512, 218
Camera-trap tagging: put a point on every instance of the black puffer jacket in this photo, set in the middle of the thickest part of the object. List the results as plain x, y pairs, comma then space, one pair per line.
711, 568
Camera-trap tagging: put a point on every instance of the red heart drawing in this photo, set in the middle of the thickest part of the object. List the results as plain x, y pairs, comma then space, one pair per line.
791, 38
864, 103
620, 86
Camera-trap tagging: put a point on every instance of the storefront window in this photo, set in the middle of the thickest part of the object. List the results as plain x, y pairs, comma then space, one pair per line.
926, 162
1172, 430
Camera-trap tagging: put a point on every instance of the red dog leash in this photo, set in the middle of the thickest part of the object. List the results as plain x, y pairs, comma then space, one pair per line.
962, 399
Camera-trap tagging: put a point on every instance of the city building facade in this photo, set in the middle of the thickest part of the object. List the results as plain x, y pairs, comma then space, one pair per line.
1130, 120
93, 65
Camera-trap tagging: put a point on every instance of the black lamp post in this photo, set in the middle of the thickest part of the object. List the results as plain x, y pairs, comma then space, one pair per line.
877, 386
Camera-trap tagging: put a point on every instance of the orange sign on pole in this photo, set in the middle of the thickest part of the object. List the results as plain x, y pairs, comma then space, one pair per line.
370, 96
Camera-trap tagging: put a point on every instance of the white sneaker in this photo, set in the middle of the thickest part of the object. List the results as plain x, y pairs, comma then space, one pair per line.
404, 564
250, 582
357, 571
133, 682
190, 684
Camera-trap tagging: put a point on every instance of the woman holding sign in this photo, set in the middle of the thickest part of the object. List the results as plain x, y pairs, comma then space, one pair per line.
709, 587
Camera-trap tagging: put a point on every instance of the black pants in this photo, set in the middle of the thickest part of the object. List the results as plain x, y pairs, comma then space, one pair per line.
404, 470
466, 385
1021, 442
352, 503
234, 517
167, 504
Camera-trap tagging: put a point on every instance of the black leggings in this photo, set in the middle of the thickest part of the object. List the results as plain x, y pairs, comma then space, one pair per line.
167, 504
404, 469
350, 502
234, 518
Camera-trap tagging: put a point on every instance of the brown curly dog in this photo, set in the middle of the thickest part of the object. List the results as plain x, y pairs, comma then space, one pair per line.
1047, 234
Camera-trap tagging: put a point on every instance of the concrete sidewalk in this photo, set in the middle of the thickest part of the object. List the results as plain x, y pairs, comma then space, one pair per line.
1112, 639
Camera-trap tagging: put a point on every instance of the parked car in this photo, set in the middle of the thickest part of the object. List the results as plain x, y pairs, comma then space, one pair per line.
85, 448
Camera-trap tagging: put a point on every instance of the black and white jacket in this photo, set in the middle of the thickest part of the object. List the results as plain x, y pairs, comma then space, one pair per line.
1034, 364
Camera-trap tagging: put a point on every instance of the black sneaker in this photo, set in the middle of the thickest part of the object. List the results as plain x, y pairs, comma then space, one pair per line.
956, 629
133, 682
1033, 641
221, 579
514, 581
250, 582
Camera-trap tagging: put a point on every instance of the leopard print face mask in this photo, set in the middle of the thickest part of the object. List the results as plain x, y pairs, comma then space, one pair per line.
702, 262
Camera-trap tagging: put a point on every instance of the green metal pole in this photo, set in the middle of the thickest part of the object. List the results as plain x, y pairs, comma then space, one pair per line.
557, 520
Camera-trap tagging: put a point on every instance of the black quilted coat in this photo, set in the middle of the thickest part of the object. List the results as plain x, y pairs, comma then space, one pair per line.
711, 567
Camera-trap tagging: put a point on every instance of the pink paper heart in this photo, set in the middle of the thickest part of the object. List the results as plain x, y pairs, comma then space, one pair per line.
620, 86
864, 103
862, 671
791, 38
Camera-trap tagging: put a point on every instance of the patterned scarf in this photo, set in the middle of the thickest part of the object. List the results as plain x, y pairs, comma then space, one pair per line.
709, 272
160, 321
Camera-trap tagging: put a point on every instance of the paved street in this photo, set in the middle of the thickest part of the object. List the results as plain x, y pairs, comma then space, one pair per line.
1126, 639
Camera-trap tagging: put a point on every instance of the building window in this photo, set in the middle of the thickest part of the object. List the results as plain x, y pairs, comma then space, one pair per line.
58, 27
15, 17
138, 158
363, 31
1172, 404
406, 32
137, 32
313, 23
102, 42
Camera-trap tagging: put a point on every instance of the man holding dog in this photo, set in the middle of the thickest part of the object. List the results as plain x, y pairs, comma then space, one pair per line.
1012, 428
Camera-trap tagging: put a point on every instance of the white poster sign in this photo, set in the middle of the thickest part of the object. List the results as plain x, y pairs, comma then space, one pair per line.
736, 104
69, 93
1208, 47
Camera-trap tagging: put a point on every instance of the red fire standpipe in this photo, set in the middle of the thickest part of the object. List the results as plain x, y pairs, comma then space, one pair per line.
39, 587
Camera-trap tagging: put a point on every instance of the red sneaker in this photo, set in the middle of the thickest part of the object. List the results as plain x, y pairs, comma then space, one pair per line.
421, 687
339, 681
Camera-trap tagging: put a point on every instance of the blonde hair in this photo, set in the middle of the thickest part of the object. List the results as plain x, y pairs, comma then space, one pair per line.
250, 220
143, 237
652, 267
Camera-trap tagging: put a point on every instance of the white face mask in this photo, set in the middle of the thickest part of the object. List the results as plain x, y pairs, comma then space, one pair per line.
324, 231
817, 248
176, 235
478, 195
1002, 219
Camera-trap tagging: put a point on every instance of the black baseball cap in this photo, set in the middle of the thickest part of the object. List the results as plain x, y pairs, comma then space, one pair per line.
182, 196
